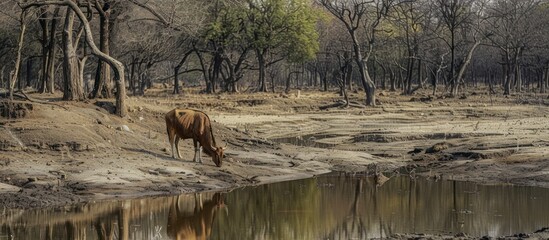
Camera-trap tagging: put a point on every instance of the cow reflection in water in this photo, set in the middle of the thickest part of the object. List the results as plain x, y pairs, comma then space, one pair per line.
198, 223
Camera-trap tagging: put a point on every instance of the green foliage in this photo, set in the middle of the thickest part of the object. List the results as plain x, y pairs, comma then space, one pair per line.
286, 26
227, 27
302, 44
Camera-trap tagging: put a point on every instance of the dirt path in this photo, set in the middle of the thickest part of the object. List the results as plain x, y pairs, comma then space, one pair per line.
59, 156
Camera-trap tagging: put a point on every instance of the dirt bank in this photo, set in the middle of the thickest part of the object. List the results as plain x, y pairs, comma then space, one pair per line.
68, 152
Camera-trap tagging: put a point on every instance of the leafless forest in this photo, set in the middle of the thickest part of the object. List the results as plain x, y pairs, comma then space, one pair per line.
111, 48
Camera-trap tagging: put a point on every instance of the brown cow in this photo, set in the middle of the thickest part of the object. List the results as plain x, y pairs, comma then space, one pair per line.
188, 123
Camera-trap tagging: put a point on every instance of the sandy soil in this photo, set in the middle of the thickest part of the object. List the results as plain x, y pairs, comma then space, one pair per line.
66, 152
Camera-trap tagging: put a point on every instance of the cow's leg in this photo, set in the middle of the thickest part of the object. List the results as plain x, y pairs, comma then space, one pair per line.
171, 138
177, 146
200, 153
196, 154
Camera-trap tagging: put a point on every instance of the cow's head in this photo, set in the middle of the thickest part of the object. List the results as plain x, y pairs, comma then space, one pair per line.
219, 155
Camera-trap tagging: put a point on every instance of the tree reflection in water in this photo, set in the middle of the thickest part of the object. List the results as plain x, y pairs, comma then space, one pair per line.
336, 206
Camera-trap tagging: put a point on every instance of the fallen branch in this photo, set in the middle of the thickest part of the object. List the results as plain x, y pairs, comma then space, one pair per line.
342, 104
21, 94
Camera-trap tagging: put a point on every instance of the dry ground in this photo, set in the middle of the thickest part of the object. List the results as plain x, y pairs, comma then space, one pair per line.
68, 152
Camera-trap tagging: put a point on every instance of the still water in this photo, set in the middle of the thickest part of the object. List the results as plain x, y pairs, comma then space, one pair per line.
333, 206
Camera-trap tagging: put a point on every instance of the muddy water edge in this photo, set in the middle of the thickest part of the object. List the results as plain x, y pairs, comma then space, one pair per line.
334, 206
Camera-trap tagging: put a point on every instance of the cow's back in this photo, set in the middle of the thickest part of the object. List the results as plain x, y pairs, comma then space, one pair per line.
183, 120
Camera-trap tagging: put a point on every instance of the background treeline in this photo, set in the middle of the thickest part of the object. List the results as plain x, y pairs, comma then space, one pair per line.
103, 48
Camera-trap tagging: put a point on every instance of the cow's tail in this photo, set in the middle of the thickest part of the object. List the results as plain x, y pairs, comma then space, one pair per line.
211, 130
212, 133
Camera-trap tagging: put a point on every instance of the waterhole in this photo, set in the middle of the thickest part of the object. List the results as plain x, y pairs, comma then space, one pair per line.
332, 206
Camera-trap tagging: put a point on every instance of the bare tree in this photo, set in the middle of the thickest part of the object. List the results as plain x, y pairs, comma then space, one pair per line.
357, 16
115, 64
514, 29
15, 73
454, 14
48, 23
102, 86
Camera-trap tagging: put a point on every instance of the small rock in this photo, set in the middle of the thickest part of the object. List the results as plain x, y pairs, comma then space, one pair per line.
437, 147
140, 108
165, 149
199, 181
32, 179
153, 172
124, 128
141, 118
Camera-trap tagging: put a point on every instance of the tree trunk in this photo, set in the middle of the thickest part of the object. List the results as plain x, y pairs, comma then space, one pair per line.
234, 87
176, 80
392, 79
118, 66
72, 87
19, 77
350, 78
262, 69
419, 74
288, 81
434, 79
544, 79
383, 76
176, 71
2, 76
518, 78
324, 80
205, 70
273, 87
132, 77
367, 83
50, 79
21, 38
409, 75
29, 72
464, 67
103, 85
45, 45
81, 68
216, 71
452, 78
507, 73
